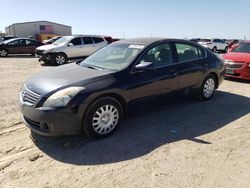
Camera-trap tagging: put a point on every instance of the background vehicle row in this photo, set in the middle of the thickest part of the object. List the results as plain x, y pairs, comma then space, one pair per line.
70, 47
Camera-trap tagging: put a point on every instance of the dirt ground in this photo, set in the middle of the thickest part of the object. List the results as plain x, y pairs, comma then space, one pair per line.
185, 144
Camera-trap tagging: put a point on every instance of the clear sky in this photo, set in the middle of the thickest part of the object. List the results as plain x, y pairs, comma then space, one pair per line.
136, 18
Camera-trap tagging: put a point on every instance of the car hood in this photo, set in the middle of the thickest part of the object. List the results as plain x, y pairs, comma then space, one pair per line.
52, 79
48, 47
237, 57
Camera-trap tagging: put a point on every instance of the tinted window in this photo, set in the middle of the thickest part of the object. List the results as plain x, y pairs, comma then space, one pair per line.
30, 42
14, 43
76, 41
205, 40
87, 40
243, 48
187, 52
97, 39
159, 55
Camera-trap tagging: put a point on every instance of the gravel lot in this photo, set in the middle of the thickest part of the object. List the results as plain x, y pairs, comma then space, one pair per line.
184, 144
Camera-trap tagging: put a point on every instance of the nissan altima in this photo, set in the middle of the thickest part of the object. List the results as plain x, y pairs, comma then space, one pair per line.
91, 96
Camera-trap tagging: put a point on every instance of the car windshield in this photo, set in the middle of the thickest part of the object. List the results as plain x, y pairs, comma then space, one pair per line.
243, 48
113, 57
62, 40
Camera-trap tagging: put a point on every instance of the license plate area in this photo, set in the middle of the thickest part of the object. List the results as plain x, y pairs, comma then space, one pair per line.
230, 71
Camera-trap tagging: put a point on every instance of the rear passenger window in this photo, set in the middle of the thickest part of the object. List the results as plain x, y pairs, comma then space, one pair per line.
188, 52
76, 41
87, 40
97, 39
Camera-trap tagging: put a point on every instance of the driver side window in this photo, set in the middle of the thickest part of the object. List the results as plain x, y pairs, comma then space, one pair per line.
159, 55
14, 43
76, 41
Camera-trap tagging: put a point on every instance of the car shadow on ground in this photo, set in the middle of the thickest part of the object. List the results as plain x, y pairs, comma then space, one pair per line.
148, 127
238, 80
19, 56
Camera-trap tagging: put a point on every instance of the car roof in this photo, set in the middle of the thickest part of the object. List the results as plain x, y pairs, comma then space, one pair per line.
84, 36
149, 40
24, 39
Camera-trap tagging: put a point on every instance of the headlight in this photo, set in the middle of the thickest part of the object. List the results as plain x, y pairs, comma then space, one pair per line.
62, 97
47, 51
249, 65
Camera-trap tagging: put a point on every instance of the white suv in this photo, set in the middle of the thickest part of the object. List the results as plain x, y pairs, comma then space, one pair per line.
214, 44
70, 47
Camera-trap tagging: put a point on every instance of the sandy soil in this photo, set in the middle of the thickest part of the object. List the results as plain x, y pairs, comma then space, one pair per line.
185, 144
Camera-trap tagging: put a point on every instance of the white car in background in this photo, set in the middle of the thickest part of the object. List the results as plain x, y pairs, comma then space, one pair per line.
70, 47
214, 44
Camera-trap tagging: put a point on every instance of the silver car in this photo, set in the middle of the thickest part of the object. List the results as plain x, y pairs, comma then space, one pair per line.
70, 47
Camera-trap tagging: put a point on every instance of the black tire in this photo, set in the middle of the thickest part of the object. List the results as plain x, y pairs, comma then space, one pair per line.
214, 49
4, 53
60, 59
88, 126
202, 94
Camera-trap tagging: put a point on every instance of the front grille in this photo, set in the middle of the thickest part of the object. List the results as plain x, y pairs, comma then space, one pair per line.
234, 65
29, 96
39, 52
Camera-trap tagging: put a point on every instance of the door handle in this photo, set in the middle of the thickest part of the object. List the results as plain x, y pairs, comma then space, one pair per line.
205, 65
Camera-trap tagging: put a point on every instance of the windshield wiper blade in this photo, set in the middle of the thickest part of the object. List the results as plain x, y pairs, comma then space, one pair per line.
93, 67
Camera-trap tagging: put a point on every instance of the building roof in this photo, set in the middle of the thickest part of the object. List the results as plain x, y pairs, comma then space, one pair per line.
38, 22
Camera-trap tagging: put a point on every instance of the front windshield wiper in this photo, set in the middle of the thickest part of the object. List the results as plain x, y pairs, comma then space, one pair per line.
92, 67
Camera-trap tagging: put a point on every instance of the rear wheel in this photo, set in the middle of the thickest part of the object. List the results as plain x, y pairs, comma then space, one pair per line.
102, 117
207, 88
3, 53
60, 59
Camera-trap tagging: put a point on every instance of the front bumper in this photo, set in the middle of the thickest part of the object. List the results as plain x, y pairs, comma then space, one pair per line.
241, 73
51, 121
45, 57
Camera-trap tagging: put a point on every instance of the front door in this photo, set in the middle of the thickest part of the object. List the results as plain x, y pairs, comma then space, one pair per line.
14, 47
161, 79
74, 48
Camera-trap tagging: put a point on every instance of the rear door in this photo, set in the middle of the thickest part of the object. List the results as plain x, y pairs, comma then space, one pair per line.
30, 46
161, 79
89, 46
191, 64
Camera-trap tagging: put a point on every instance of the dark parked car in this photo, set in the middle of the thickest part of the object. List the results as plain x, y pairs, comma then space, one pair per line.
91, 96
19, 46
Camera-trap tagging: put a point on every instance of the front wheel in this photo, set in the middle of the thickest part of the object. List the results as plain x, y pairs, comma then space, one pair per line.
207, 88
102, 117
3, 53
60, 59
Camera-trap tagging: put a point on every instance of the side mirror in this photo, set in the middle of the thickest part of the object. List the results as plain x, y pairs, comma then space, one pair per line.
144, 66
70, 44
